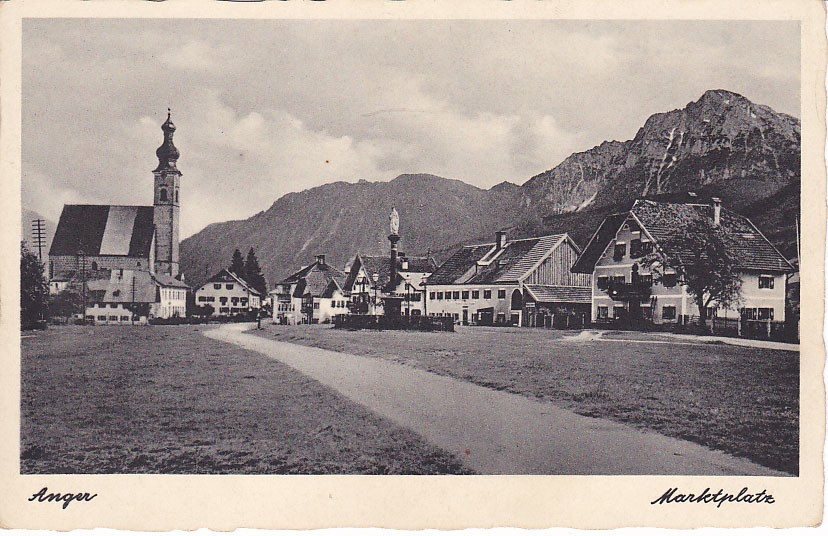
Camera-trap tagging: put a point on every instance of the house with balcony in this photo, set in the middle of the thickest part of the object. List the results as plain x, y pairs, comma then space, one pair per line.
623, 286
525, 282
312, 295
228, 295
370, 288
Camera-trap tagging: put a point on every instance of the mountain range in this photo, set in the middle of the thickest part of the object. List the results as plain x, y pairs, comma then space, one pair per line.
720, 145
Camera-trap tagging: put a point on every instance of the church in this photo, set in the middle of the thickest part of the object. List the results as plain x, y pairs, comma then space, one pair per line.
118, 242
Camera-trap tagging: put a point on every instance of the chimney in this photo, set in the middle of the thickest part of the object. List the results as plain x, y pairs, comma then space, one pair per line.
500, 242
717, 211
320, 259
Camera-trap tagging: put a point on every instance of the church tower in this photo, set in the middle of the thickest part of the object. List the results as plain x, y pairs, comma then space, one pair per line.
166, 203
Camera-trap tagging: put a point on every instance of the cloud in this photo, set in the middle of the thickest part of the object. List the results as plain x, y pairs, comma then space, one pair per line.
268, 107
192, 55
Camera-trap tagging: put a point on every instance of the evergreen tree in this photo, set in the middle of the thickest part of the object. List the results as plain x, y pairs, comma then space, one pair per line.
34, 290
237, 264
253, 272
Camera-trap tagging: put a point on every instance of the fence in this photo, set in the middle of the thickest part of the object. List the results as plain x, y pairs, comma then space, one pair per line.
413, 323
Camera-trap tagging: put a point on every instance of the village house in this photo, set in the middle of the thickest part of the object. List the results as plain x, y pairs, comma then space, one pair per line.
524, 282
98, 247
615, 251
311, 295
134, 297
370, 288
228, 295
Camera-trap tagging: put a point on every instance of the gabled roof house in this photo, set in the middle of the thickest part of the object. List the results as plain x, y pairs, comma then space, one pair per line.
520, 282
622, 239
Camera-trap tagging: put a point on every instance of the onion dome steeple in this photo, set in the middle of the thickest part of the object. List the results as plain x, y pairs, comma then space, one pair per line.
167, 153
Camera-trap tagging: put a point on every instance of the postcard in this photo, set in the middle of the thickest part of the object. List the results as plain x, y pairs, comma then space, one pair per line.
412, 265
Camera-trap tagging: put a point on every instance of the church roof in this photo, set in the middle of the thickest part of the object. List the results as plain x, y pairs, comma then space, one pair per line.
104, 230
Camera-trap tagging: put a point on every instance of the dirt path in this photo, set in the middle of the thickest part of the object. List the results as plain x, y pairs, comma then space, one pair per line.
494, 432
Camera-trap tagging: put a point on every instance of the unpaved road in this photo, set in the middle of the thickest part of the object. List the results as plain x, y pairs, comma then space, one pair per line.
494, 432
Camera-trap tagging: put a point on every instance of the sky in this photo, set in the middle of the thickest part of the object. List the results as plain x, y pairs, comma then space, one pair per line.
264, 108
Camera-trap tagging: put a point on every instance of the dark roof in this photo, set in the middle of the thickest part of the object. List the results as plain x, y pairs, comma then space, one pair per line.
104, 230
315, 280
598, 243
660, 220
381, 265
511, 263
226, 276
169, 281
560, 294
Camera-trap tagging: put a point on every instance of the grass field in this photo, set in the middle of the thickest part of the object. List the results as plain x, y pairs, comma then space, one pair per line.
744, 401
165, 399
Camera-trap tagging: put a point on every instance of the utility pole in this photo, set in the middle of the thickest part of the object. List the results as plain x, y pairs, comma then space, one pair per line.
39, 237
132, 312
82, 259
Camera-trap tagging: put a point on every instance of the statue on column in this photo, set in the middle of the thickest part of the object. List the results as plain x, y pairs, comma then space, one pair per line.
394, 220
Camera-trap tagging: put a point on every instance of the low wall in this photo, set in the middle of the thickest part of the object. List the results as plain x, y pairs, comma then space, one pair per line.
413, 323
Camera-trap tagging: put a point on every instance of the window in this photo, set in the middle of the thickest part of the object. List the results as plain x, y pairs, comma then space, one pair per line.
619, 251
618, 311
94, 265
439, 295
243, 301
465, 294
102, 318
455, 295
603, 312
668, 312
176, 195
765, 313
113, 318
647, 280
162, 195
619, 279
223, 300
124, 319
635, 248
669, 280
487, 294
211, 298
766, 281
603, 282
457, 316
475, 294
431, 295
316, 305
501, 318
235, 300
501, 294
113, 305
217, 286
229, 286
646, 247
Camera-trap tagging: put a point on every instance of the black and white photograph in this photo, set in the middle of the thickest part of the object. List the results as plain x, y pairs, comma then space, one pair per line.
413, 247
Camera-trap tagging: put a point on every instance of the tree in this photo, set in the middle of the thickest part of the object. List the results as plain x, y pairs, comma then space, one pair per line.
34, 290
253, 273
66, 303
237, 264
702, 255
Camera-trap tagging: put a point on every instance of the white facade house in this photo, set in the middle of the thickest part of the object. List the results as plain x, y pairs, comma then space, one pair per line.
617, 247
135, 297
228, 295
369, 285
311, 295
